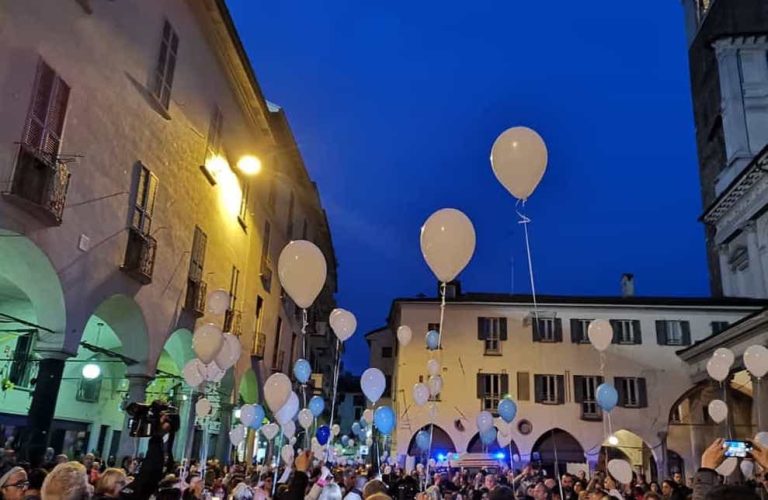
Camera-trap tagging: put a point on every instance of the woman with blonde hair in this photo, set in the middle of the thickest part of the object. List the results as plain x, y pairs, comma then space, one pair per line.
67, 481
110, 483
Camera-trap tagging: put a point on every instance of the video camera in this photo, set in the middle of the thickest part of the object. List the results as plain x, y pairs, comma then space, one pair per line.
147, 420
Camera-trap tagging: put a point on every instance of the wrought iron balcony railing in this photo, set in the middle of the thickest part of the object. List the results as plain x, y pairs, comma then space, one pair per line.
40, 183
195, 299
140, 253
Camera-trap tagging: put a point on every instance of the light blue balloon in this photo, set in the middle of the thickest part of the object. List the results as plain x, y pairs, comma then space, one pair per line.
316, 406
345, 440
607, 397
302, 370
384, 419
422, 440
356, 429
258, 417
433, 340
507, 410
488, 436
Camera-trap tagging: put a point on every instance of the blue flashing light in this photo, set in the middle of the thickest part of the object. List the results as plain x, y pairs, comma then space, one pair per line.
500, 455
440, 457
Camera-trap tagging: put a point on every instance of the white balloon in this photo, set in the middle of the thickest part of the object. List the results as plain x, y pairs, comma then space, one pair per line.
373, 383
725, 354
289, 409
217, 301
202, 407
237, 434
289, 429
194, 372
277, 389
484, 421
600, 334
287, 454
762, 439
756, 360
302, 270
292, 442
368, 415
213, 373
420, 394
404, 335
435, 384
447, 243
433, 367
270, 430
504, 438
343, 323
747, 468
717, 368
207, 341
621, 470
351, 443
229, 353
718, 410
335, 429
519, 158
728, 466
247, 414
306, 418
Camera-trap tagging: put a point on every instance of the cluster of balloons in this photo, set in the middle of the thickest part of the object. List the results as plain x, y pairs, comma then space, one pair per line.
719, 368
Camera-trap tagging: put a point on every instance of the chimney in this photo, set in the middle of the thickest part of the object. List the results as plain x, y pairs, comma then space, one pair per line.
452, 289
627, 285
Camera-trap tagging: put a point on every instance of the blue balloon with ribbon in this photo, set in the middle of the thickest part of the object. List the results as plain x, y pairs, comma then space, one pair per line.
302, 370
606, 396
488, 436
316, 406
384, 419
258, 417
322, 434
433, 340
507, 410
422, 440
356, 429
345, 440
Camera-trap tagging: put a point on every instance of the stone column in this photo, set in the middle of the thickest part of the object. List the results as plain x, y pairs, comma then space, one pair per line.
223, 446
755, 261
759, 404
662, 467
41, 412
726, 276
732, 104
137, 390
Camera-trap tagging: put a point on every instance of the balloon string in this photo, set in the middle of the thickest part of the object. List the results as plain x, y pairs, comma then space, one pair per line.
432, 410
335, 386
602, 365
525, 221
557, 464
757, 400
304, 324
276, 452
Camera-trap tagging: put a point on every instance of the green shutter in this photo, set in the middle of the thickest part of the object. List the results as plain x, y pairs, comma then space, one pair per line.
661, 332
638, 335
685, 326
578, 388
503, 328
558, 330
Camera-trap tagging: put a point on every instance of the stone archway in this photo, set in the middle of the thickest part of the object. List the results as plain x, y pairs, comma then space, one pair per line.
632, 448
554, 449
442, 444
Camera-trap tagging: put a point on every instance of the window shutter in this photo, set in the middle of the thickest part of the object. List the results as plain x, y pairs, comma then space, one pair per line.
638, 335
558, 330
480, 385
578, 388
618, 383
615, 327
535, 330
481, 328
560, 389
503, 328
661, 332
576, 331
600, 380
538, 388
38, 109
54, 123
642, 393
523, 386
685, 326
504, 384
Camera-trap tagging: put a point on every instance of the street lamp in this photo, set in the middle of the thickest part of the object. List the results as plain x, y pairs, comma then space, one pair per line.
249, 165
91, 371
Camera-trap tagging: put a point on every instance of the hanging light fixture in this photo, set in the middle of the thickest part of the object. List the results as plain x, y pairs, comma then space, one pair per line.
91, 371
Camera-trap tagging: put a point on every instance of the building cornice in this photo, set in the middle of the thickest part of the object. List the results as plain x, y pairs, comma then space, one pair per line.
744, 329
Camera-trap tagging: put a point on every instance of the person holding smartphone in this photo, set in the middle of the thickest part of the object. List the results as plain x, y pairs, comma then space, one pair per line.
706, 481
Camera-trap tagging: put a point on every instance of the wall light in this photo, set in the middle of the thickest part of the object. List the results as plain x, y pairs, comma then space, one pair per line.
249, 165
91, 371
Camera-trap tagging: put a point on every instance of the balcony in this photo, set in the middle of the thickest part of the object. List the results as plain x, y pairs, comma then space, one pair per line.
259, 345
140, 252
194, 301
233, 322
39, 186
266, 274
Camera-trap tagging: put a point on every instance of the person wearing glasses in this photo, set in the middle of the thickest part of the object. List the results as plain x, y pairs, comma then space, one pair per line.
13, 484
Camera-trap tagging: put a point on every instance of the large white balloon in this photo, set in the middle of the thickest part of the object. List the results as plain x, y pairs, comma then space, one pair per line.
756, 360
725, 354
217, 301
519, 159
433, 367
207, 341
194, 372
335, 430
718, 410
435, 384
447, 243
373, 383
287, 454
404, 335
289, 409
484, 421
302, 270
368, 415
247, 414
270, 430
277, 389
420, 394
237, 434
229, 353
621, 470
504, 437
600, 334
343, 323
717, 368
203, 407
306, 418
289, 429
728, 466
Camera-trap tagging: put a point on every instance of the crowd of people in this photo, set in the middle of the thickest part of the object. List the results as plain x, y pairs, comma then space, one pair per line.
308, 479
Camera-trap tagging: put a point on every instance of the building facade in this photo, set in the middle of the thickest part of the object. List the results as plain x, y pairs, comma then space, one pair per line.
130, 146
495, 346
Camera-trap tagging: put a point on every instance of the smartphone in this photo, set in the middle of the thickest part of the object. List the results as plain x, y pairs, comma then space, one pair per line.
737, 448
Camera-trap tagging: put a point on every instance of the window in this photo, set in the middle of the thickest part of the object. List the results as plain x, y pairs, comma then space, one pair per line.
492, 331
550, 389
673, 332
197, 260
289, 225
387, 386
632, 392
245, 189
523, 386
266, 269
580, 330
19, 373
213, 144
584, 389
45, 119
275, 365
547, 330
433, 326
626, 331
491, 387
144, 203
719, 326
386, 352
166, 65
234, 281
89, 390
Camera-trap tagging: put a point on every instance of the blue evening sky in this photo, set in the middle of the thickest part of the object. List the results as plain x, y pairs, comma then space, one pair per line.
395, 105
